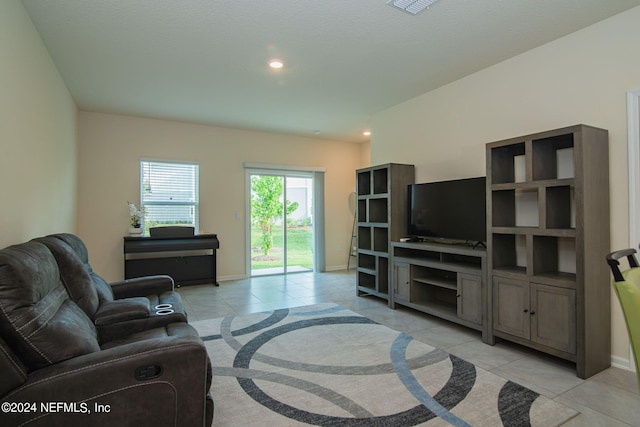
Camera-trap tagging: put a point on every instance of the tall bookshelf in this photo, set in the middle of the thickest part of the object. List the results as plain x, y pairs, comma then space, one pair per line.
381, 218
548, 235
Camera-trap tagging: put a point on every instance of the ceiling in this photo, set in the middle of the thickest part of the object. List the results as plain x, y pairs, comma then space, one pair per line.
205, 61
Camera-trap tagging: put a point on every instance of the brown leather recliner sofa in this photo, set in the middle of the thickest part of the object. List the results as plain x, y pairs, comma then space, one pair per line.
57, 369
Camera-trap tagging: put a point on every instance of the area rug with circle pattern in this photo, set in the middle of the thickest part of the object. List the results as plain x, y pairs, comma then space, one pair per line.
326, 365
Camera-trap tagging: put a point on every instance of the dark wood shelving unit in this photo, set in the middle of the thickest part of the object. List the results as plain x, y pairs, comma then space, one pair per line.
548, 235
381, 213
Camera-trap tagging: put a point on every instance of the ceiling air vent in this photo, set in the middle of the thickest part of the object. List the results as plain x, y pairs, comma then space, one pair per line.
411, 6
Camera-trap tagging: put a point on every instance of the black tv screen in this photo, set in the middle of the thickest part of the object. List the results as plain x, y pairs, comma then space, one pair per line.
453, 210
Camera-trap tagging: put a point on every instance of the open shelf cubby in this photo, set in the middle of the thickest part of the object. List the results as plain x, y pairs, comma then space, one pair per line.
380, 239
552, 157
510, 158
515, 208
554, 257
417, 253
380, 184
462, 260
378, 210
504, 208
362, 210
367, 262
363, 184
526, 208
560, 207
366, 280
364, 238
437, 299
509, 253
432, 276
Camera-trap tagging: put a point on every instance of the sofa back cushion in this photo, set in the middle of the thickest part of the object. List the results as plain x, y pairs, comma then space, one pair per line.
75, 276
102, 287
38, 320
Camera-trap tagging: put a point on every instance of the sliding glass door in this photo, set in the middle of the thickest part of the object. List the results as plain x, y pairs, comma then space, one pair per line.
281, 222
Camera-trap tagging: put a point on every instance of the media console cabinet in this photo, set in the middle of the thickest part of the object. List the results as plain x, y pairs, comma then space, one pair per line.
190, 260
447, 281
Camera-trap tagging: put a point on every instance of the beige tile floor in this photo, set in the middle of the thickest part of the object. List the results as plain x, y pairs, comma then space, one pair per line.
610, 398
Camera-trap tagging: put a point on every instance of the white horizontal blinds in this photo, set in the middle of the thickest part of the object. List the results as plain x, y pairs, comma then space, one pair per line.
169, 193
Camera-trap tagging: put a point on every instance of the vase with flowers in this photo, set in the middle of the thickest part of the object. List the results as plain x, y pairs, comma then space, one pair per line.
136, 215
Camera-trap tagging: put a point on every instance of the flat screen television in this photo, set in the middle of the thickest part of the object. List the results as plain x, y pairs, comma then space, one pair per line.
449, 210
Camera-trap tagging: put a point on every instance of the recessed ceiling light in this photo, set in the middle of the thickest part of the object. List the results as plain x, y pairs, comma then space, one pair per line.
367, 133
276, 63
411, 6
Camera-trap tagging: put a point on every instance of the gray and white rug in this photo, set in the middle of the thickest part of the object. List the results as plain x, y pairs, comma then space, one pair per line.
326, 365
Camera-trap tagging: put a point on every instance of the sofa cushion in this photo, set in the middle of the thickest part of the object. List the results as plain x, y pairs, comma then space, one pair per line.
38, 321
80, 249
74, 276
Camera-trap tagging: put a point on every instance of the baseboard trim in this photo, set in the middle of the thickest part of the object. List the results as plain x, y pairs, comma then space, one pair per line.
619, 362
229, 278
336, 268
241, 277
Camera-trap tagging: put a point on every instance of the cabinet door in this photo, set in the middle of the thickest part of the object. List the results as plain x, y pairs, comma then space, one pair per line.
553, 317
401, 281
470, 297
511, 307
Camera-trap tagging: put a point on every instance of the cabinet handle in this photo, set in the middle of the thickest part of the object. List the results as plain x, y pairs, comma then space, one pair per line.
458, 296
525, 310
532, 312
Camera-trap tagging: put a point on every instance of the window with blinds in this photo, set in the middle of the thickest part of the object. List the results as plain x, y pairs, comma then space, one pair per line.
169, 193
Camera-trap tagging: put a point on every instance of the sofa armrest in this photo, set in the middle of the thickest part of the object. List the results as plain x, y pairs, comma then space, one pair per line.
122, 310
154, 382
142, 286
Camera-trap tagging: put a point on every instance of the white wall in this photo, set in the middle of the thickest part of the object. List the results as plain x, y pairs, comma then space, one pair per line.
37, 135
580, 78
110, 148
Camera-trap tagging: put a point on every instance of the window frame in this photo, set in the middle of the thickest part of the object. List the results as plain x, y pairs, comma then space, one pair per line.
195, 204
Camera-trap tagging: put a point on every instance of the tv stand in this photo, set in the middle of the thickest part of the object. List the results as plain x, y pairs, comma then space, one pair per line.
444, 280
